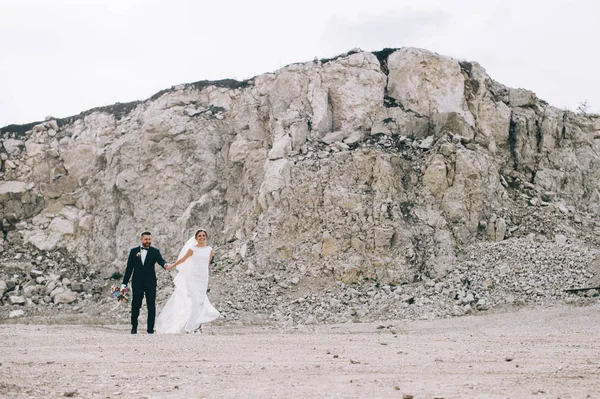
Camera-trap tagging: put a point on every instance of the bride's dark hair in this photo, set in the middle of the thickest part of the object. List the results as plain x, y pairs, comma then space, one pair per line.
200, 231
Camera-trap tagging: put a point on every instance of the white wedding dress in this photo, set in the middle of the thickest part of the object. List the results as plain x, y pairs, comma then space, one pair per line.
188, 307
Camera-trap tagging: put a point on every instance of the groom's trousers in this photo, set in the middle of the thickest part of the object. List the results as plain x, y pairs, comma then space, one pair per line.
139, 290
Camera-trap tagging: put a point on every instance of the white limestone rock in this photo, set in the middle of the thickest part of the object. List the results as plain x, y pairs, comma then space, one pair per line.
16, 313
65, 297
306, 168
427, 83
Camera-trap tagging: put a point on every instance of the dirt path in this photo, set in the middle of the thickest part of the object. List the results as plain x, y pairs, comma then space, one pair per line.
541, 353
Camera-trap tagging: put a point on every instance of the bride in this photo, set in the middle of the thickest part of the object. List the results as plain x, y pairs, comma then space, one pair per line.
189, 307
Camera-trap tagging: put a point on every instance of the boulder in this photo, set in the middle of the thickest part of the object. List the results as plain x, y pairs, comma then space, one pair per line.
13, 146
16, 300
12, 187
521, 98
332, 137
500, 229
35, 273
16, 313
435, 176
56, 291
427, 83
10, 284
65, 297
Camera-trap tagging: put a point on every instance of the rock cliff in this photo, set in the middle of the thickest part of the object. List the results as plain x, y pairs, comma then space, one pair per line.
382, 167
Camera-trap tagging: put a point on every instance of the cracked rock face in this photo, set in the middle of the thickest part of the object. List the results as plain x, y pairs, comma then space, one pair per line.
377, 166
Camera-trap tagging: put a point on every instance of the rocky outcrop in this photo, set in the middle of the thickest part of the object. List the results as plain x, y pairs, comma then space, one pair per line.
370, 166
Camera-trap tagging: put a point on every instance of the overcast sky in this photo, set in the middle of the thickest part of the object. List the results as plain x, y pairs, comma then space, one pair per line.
62, 57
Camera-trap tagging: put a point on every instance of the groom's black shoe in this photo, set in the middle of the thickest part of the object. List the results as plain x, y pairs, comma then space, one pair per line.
134, 330
151, 332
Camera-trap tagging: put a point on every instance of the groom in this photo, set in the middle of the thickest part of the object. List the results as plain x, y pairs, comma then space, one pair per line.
141, 263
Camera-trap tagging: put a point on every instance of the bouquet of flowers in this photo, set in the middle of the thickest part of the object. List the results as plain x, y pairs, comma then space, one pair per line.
119, 294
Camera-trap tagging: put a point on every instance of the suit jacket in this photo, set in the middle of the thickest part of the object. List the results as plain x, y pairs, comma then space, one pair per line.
143, 273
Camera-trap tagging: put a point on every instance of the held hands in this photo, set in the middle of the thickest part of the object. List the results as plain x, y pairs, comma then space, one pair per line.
169, 266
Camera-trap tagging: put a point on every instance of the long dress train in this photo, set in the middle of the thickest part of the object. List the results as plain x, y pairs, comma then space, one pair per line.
188, 307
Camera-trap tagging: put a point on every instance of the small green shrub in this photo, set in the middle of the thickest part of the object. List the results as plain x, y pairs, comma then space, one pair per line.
116, 276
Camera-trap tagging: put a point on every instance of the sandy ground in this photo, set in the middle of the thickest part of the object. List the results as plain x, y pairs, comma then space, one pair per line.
540, 353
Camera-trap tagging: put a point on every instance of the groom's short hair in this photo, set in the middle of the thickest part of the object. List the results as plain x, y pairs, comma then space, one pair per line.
146, 233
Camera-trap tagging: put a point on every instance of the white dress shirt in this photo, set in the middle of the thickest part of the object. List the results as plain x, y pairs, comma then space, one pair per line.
143, 253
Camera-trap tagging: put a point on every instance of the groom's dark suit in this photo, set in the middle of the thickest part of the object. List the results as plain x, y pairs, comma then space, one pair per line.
143, 282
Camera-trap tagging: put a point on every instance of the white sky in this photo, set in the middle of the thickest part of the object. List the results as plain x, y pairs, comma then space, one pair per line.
62, 57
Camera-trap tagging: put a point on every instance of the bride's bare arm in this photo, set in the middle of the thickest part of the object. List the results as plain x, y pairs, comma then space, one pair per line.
180, 261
